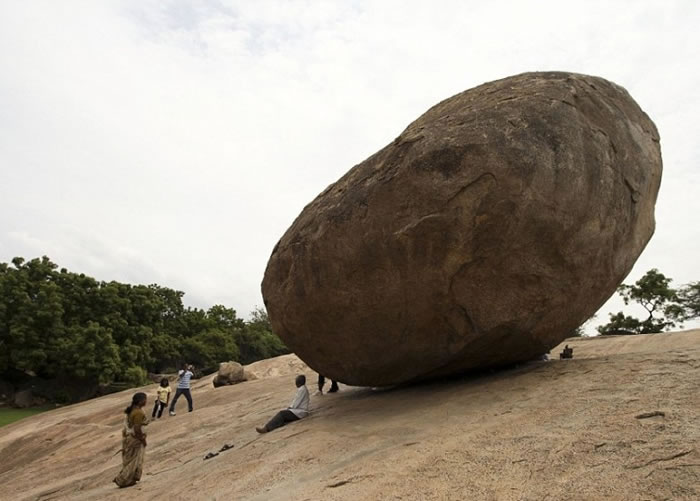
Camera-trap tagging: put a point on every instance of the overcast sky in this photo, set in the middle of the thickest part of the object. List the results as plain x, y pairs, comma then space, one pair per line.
175, 141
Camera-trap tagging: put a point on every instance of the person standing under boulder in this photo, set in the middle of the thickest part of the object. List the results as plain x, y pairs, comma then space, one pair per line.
322, 381
298, 409
183, 388
133, 442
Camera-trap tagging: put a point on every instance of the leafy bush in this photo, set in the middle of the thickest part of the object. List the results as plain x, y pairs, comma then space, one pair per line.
135, 376
55, 323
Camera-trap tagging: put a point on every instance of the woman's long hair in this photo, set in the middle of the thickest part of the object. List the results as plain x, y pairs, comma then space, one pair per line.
135, 400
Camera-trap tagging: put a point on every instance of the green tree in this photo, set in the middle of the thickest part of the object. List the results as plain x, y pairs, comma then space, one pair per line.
621, 324
689, 301
257, 341
89, 353
654, 294
33, 311
209, 347
68, 326
135, 376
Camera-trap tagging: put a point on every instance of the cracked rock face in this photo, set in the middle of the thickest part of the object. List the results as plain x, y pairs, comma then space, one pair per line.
492, 227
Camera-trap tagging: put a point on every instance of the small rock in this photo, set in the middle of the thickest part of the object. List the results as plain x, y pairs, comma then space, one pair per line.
229, 373
24, 398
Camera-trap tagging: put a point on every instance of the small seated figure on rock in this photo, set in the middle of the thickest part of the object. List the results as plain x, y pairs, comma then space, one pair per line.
322, 381
566, 353
298, 409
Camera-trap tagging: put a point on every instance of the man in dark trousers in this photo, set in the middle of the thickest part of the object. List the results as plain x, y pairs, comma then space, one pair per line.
183, 387
298, 409
322, 381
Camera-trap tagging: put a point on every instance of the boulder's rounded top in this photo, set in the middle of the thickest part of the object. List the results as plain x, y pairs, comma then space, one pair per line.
495, 224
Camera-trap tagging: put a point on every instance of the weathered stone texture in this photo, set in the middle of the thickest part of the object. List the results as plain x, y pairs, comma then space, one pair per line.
493, 226
229, 373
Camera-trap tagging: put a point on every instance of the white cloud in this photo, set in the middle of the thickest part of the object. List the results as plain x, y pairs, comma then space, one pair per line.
174, 142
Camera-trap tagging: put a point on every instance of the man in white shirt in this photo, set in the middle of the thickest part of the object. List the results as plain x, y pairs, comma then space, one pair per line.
298, 409
183, 387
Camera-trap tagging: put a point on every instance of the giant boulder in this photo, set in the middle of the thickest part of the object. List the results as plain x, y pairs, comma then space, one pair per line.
493, 226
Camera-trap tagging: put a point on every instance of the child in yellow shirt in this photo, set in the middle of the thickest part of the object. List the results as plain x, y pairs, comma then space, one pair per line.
163, 397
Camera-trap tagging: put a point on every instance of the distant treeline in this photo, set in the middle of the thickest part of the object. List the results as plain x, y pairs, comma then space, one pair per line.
59, 324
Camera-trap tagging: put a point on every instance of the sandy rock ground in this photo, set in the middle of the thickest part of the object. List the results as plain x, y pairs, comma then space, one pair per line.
619, 421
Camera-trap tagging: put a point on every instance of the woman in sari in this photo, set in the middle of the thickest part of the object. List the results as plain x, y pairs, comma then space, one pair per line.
133, 442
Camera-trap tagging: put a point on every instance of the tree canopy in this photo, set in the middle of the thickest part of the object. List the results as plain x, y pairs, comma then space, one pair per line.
59, 323
665, 305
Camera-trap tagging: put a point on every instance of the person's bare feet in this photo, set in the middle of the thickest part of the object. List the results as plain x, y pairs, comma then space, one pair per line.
261, 429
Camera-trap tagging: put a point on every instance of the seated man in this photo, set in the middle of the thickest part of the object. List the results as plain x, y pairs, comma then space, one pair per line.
299, 408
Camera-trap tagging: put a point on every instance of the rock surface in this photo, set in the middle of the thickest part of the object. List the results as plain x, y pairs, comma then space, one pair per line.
492, 227
565, 429
229, 373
